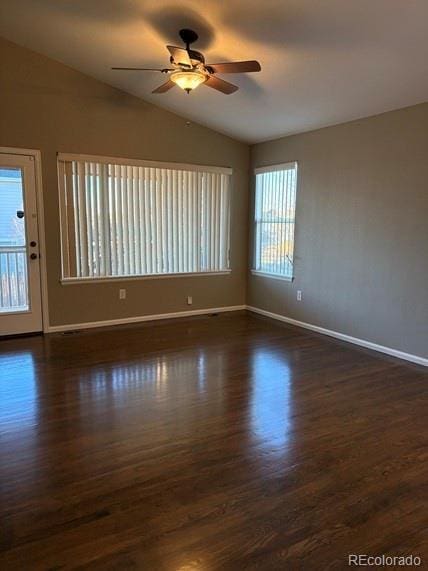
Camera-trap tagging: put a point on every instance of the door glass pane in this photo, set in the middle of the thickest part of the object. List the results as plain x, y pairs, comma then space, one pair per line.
13, 255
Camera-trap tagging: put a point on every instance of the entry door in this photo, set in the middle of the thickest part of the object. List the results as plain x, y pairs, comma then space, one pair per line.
20, 296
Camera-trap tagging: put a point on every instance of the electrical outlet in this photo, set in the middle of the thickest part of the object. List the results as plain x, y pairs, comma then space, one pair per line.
122, 294
299, 295
189, 300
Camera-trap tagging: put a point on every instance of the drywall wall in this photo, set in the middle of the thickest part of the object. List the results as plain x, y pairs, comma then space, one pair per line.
361, 230
362, 206
48, 106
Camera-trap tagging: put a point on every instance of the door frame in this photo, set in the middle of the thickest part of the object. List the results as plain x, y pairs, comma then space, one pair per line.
37, 158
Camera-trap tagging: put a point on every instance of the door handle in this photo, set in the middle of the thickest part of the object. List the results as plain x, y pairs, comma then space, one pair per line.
33, 244
33, 256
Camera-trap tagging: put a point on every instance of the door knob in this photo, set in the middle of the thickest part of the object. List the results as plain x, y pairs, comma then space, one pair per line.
33, 256
33, 244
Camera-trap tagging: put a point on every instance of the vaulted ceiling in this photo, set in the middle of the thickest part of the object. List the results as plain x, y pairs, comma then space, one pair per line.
322, 62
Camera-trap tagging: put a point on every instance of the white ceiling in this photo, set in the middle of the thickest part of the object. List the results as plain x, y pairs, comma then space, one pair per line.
323, 62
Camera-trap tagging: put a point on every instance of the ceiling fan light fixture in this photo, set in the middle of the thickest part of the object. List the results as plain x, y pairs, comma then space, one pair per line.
190, 70
188, 80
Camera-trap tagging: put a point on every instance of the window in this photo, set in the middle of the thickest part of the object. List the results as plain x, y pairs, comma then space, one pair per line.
133, 218
275, 206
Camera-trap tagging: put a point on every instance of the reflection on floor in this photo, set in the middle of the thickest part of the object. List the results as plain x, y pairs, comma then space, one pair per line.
228, 442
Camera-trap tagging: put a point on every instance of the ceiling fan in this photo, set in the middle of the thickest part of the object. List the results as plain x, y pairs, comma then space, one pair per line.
190, 70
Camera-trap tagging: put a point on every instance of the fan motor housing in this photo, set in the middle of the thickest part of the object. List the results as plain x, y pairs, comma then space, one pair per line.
196, 57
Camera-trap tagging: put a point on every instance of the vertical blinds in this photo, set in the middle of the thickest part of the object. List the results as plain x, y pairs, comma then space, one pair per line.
125, 219
275, 208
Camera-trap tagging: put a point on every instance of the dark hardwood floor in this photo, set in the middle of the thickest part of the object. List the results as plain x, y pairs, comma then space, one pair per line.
227, 442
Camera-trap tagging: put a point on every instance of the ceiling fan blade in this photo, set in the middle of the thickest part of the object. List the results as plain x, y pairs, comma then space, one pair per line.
164, 87
221, 85
180, 56
235, 67
140, 69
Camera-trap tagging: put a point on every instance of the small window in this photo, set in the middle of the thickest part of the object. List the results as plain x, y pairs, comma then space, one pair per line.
133, 218
275, 207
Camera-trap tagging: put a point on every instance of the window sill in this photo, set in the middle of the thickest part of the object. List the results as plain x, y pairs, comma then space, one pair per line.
91, 280
272, 276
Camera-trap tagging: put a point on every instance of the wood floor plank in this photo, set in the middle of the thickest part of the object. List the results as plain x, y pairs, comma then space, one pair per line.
222, 442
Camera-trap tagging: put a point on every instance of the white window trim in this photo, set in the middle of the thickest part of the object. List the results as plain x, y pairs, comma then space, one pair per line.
68, 157
274, 168
273, 276
291, 165
91, 279
143, 163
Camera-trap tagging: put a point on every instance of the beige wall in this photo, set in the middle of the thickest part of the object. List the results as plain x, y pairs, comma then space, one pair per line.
361, 230
48, 106
362, 207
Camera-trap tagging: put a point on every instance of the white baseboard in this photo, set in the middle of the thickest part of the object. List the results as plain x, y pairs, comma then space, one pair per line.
141, 318
343, 337
189, 313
